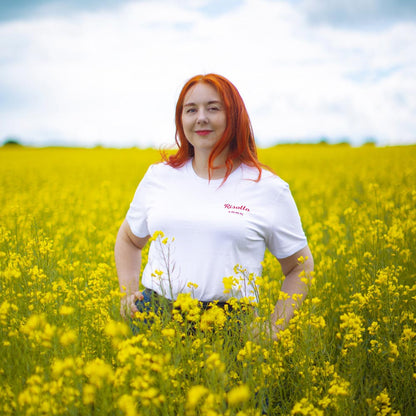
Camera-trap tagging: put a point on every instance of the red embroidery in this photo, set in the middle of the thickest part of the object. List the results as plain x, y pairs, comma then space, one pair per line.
236, 209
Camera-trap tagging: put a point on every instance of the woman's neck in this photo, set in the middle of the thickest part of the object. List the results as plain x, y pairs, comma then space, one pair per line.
201, 168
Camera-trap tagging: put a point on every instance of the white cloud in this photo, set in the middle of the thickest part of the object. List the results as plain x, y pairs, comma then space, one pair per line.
112, 77
363, 13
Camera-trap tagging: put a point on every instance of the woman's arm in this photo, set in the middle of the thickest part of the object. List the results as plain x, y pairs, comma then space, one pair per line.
128, 257
292, 286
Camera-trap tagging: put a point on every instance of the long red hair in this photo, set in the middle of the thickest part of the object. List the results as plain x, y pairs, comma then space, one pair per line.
238, 136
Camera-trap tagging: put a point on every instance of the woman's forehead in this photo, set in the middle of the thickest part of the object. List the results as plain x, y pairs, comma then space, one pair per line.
202, 92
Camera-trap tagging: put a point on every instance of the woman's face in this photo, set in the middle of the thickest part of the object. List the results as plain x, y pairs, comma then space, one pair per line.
203, 117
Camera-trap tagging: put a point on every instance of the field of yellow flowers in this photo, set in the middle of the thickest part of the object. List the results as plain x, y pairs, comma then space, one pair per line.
64, 350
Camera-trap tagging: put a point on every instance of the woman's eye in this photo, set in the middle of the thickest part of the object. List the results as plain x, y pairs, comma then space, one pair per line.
213, 108
190, 110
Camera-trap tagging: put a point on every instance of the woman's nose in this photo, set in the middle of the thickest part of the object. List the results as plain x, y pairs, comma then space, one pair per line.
202, 116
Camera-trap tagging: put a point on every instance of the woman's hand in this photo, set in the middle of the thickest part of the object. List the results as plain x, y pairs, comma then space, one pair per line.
128, 304
274, 329
128, 259
269, 328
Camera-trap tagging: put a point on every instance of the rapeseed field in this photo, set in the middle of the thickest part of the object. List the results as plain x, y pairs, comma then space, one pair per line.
349, 350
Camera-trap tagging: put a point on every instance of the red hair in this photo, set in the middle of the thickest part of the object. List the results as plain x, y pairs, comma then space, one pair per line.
238, 136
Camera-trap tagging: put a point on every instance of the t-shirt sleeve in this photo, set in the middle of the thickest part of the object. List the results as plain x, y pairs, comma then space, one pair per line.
137, 214
286, 235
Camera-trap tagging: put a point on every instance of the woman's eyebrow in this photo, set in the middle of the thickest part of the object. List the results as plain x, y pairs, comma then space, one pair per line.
209, 103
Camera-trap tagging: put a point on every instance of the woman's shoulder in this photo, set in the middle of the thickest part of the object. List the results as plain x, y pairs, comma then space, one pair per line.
163, 169
267, 178
162, 174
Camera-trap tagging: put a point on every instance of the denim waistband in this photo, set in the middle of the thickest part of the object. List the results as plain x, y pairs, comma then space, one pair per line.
205, 304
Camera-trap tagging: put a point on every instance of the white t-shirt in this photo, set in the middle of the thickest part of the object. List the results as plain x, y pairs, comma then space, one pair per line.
213, 228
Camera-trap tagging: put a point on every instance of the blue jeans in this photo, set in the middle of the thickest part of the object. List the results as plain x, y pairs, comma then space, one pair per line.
151, 302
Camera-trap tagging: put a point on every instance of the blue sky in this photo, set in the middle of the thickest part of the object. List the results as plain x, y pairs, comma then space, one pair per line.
108, 72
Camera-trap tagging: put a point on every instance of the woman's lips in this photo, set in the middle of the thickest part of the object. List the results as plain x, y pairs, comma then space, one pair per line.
203, 132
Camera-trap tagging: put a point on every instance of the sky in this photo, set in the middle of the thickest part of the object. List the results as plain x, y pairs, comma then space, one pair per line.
108, 72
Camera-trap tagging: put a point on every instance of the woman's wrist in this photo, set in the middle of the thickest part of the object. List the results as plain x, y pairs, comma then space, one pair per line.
277, 324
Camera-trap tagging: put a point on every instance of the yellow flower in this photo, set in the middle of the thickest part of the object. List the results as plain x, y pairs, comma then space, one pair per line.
39, 330
373, 328
66, 310
229, 283
99, 372
238, 395
156, 235
88, 394
393, 351
407, 335
168, 332
115, 329
195, 394
213, 362
213, 317
68, 337
63, 367
338, 386
302, 259
4, 310
382, 405
325, 402
127, 404
304, 407
187, 306
192, 285
351, 330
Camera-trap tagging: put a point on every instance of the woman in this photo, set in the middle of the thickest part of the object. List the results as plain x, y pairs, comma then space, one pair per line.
217, 207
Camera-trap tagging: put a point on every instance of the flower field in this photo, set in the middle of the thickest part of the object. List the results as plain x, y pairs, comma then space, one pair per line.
349, 350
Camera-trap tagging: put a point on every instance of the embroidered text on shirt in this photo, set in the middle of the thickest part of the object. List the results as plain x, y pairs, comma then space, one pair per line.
236, 209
